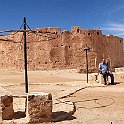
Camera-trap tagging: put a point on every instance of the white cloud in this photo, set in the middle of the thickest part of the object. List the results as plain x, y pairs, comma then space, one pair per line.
119, 34
115, 29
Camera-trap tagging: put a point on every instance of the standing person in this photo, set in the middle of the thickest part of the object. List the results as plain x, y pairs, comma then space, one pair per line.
104, 70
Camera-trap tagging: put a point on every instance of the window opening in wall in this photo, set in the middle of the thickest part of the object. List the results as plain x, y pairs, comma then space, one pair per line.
78, 30
97, 33
120, 41
2, 63
2, 52
89, 34
61, 45
69, 46
28, 47
55, 33
56, 61
57, 46
39, 62
45, 62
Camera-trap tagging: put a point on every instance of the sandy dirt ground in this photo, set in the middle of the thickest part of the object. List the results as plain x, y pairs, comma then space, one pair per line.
95, 103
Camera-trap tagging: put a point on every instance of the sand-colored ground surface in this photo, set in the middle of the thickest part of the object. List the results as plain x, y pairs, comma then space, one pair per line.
95, 103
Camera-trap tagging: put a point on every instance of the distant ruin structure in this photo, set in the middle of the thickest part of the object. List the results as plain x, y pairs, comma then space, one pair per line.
49, 48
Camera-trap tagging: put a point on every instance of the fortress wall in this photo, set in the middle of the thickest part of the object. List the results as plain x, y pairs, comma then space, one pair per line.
11, 51
94, 39
57, 53
18, 51
97, 48
80, 39
114, 50
78, 48
65, 45
101, 47
37, 52
2, 54
122, 59
49, 48
49, 30
7, 56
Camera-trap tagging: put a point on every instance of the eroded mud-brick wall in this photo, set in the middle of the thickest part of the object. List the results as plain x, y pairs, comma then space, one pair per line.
80, 39
11, 51
109, 47
115, 51
67, 48
49, 48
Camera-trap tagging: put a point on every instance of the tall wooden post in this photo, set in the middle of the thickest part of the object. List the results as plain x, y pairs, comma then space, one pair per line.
25, 57
87, 49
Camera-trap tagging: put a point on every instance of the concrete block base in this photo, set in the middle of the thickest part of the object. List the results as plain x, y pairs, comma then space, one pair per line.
39, 108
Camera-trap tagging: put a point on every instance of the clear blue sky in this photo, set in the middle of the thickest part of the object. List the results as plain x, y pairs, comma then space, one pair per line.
105, 14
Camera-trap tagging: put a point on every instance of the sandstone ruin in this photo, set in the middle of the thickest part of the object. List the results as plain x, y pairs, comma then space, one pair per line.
49, 48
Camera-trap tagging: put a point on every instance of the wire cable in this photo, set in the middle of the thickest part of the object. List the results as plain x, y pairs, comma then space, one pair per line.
47, 35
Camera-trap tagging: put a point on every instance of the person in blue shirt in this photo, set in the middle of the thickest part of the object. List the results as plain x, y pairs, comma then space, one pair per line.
104, 70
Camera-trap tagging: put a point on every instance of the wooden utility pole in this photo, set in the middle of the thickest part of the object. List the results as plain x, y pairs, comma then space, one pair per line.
25, 56
87, 49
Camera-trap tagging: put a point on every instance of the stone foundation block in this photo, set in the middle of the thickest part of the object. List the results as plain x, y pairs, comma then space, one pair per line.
39, 108
7, 111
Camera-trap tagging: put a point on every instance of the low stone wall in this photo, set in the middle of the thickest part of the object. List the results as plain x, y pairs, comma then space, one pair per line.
38, 108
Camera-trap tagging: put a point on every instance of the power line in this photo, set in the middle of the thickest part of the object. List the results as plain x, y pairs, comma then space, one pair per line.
28, 26
43, 34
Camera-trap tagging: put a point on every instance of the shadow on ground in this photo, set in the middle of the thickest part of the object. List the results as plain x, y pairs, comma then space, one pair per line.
56, 116
19, 114
118, 83
62, 116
